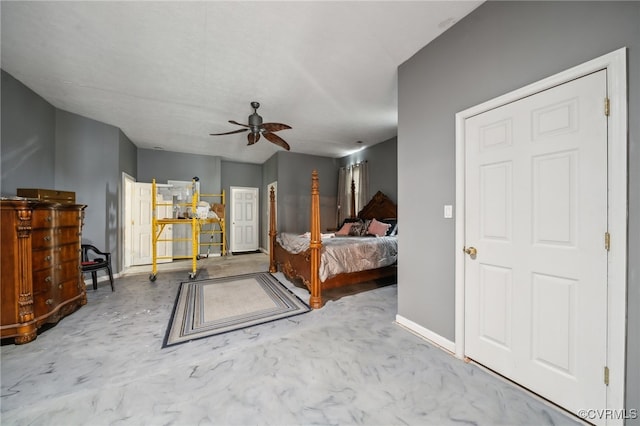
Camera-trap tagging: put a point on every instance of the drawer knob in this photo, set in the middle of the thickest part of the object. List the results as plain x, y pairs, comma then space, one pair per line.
49, 218
48, 258
49, 301
60, 286
48, 279
47, 238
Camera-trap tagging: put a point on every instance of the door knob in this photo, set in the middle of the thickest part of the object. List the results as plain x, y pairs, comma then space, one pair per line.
471, 251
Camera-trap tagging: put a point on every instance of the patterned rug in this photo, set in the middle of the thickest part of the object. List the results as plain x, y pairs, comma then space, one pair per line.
219, 305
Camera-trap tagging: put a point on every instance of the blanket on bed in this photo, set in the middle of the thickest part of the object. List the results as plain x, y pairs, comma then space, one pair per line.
345, 254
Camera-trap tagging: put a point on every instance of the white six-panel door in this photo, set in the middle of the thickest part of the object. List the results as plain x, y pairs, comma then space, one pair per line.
141, 223
244, 219
536, 212
141, 226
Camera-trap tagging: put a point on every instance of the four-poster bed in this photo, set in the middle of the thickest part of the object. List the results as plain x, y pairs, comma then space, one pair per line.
311, 257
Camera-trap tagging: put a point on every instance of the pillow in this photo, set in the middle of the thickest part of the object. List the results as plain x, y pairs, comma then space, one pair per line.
393, 229
345, 229
378, 228
358, 229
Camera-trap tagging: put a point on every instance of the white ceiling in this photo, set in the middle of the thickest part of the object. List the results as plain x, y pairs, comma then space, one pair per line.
169, 73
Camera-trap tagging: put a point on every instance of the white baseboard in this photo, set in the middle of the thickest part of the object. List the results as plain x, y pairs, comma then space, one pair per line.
426, 334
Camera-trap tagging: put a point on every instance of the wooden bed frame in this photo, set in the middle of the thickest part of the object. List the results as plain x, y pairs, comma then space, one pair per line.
306, 265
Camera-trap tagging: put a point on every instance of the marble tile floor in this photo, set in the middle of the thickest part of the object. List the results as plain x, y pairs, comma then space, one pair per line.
347, 363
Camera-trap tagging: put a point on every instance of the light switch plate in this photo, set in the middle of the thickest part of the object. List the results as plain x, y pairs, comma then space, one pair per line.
448, 211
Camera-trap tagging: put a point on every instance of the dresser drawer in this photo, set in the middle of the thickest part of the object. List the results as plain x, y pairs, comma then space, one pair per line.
49, 218
46, 257
45, 303
67, 270
43, 280
46, 238
71, 288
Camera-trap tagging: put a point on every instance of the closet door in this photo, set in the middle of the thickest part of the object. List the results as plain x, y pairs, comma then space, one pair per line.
244, 219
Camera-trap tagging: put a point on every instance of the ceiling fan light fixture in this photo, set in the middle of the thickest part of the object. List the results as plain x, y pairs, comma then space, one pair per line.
256, 128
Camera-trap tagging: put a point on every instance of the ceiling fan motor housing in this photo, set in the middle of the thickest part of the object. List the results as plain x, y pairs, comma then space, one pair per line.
255, 121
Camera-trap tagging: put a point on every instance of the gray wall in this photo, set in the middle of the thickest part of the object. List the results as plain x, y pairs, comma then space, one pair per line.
499, 47
383, 166
128, 155
244, 175
27, 143
167, 165
44, 147
294, 191
293, 173
81, 141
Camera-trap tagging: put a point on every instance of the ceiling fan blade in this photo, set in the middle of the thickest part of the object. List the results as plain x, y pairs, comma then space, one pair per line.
253, 138
274, 127
228, 133
239, 124
271, 137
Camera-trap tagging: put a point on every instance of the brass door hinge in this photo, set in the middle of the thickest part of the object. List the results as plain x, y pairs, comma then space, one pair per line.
607, 241
606, 375
607, 107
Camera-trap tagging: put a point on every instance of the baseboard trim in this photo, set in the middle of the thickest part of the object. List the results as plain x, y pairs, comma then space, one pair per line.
426, 334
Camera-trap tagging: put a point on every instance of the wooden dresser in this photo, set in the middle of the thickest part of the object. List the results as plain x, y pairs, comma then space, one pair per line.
40, 268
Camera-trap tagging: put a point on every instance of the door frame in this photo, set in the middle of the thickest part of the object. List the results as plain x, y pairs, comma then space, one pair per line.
615, 64
125, 218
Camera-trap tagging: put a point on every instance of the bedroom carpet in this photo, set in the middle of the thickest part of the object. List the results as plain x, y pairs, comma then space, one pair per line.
205, 308
348, 363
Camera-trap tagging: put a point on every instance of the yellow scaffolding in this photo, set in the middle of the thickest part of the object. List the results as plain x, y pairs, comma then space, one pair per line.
218, 208
194, 221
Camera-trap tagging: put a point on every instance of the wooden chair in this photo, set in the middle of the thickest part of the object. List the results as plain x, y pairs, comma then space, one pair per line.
94, 260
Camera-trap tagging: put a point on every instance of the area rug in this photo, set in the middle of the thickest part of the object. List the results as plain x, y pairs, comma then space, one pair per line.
214, 306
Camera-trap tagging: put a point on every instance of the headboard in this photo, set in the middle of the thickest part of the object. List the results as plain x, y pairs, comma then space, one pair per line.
380, 207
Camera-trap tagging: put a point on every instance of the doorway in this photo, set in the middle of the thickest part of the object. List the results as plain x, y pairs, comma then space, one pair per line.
244, 219
540, 290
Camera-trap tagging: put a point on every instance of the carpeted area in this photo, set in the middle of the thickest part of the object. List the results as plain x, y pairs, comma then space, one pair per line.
214, 306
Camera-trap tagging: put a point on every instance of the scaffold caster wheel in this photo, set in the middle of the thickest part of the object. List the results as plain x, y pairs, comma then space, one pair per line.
198, 257
192, 275
152, 277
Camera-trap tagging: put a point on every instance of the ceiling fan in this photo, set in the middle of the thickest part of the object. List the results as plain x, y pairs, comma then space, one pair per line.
256, 128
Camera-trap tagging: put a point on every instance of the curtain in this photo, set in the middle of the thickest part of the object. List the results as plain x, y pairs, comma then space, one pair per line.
361, 179
343, 194
359, 174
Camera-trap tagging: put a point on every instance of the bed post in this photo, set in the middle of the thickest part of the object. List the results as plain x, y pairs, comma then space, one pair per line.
315, 243
272, 231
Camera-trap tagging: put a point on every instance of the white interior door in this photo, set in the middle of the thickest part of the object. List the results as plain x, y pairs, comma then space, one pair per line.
127, 218
536, 212
141, 226
244, 219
